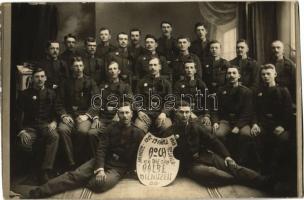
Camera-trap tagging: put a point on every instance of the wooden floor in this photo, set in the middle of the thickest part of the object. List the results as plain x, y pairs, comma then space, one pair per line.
130, 188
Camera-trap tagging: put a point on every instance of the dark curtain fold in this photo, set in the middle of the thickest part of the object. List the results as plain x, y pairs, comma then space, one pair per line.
262, 29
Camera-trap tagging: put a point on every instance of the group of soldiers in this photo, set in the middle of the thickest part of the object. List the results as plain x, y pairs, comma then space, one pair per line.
97, 103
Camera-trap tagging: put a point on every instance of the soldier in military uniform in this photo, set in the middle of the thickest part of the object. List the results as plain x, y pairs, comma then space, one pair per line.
177, 64
285, 68
38, 109
116, 154
214, 68
193, 90
203, 157
110, 93
200, 46
104, 47
142, 64
152, 115
76, 93
55, 68
272, 123
167, 44
248, 66
94, 67
70, 49
135, 49
122, 56
234, 114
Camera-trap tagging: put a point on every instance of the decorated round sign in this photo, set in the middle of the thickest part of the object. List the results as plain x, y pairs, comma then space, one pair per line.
156, 164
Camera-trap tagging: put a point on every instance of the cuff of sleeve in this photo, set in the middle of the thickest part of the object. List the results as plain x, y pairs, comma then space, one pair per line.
90, 116
98, 170
63, 116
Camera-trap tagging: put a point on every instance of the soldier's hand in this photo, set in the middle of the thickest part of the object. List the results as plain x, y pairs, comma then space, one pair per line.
82, 118
255, 130
229, 162
215, 127
235, 130
144, 117
25, 137
115, 118
96, 123
161, 118
68, 120
206, 121
278, 130
101, 177
52, 126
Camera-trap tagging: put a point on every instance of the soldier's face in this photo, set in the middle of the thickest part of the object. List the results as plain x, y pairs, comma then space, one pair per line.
268, 75
104, 35
183, 44
70, 43
183, 114
53, 50
154, 66
113, 70
201, 32
91, 47
233, 75
166, 29
135, 37
150, 44
190, 69
39, 79
277, 49
125, 115
241, 49
215, 49
123, 40
78, 67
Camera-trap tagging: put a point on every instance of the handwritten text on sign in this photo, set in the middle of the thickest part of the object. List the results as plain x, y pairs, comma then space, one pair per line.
156, 165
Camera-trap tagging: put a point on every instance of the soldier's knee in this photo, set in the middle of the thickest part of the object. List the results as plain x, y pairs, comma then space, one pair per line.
141, 125
64, 129
82, 130
53, 136
93, 132
164, 125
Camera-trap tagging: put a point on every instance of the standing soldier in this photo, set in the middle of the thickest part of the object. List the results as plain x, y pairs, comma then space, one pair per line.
248, 66
70, 49
200, 46
38, 109
55, 68
122, 56
234, 113
105, 46
153, 88
167, 43
76, 93
142, 64
135, 49
214, 68
285, 69
177, 64
190, 89
94, 67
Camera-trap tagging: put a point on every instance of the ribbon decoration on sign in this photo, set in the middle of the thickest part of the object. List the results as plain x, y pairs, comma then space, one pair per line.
156, 165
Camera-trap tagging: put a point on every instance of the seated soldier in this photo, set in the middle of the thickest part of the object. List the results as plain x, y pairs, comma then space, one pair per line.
177, 64
122, 56
190, 89
153, 88
214, 68
94, 67
110, 93
272, 122
203, 157
38, 109
115, 155
142, 63
76, 93
234, 114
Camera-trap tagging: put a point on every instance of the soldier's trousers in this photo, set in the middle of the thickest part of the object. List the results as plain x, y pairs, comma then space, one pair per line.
83, 176
210, 168
49, 141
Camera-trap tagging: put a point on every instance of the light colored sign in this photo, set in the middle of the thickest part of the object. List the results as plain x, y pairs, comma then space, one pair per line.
156, 164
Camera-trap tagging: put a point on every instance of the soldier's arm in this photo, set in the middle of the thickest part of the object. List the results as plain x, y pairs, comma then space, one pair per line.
20, 111
255, 76
246, 107
287, 108
102, 148
198, 67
